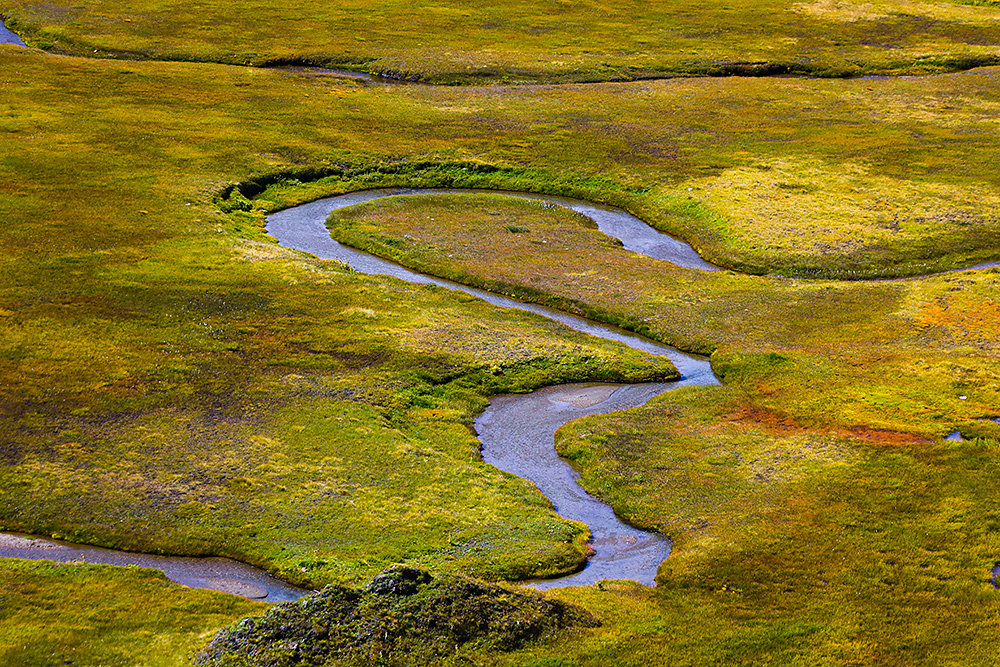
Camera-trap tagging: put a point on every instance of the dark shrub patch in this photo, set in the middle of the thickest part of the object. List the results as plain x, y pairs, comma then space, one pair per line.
404, 616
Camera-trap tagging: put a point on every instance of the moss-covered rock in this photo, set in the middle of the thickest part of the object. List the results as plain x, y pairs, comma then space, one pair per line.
404, 616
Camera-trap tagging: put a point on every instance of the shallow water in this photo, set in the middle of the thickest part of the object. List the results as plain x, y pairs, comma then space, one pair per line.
8, 37
518, 436
304, 228
517, 431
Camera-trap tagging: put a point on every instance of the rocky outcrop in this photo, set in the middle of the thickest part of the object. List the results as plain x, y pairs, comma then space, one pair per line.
404, 616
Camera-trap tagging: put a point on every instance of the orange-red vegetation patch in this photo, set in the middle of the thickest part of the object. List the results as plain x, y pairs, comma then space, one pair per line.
769, 421
777, 424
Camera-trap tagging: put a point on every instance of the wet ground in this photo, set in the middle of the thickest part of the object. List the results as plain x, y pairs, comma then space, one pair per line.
8, 37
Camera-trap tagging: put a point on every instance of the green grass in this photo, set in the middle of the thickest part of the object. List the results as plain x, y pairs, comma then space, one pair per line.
450, 42
171, 380
105, 615
301, 439
893, 179
851, 353
817, 516
171, 386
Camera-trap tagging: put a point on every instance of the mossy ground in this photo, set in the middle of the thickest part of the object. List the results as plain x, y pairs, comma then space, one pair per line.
823, 352
171, 386
451, 42
818, 516
104, 615
852, 179
792, 546
404, 616
171, 380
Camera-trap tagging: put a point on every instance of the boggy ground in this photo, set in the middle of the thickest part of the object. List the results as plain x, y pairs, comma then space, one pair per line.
887, 355
818, 516
172, 381
451, 42
169, 386
798, 545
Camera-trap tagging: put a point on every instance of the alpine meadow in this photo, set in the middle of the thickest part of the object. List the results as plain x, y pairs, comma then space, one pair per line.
546, 333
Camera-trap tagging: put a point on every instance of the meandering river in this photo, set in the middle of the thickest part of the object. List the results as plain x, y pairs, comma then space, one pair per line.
517, 431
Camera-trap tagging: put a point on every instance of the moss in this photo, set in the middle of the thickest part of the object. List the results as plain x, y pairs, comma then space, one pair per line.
791, 345
404, 616
793, 542
170, 382
100, 614
815, 473
186, 386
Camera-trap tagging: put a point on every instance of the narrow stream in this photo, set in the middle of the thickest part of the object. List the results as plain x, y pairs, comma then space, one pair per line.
217, 574
517, 431
293, 229
518, 436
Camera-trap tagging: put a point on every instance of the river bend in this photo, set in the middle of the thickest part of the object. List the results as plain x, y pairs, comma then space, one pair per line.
517, 431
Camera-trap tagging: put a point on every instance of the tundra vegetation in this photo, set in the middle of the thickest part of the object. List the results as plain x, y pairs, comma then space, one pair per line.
173, 381
817, 471
442, 41
402, 616
105, 615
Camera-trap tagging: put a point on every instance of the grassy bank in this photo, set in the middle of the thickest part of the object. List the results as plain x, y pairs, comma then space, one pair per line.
793, 545
104, 615
817, 515
855, 354
448, 42
853, 180
171, 386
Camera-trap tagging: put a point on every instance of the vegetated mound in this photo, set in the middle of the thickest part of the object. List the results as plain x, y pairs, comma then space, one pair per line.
404, 616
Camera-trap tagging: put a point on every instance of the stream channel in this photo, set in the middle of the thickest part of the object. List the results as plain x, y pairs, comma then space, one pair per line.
517, 431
